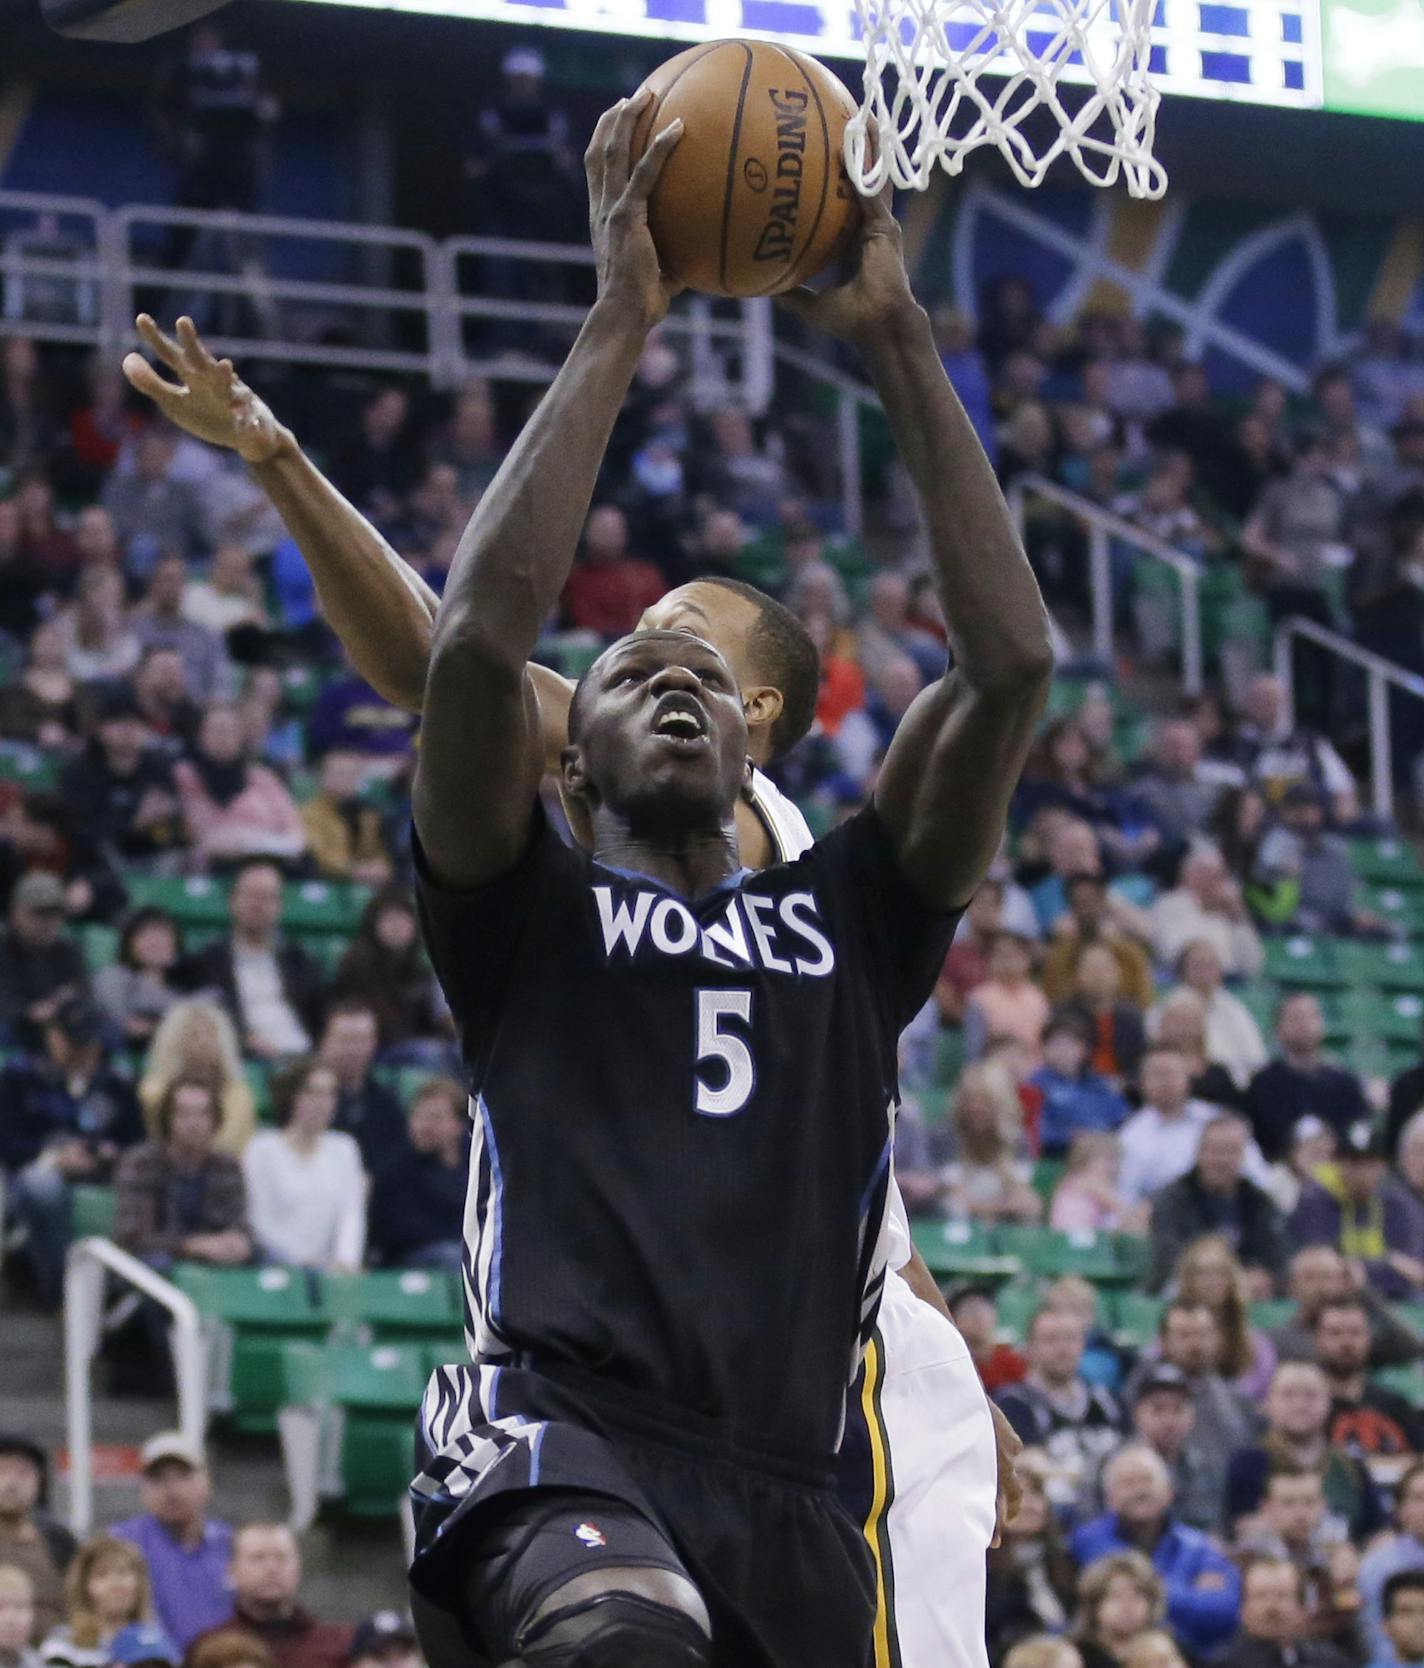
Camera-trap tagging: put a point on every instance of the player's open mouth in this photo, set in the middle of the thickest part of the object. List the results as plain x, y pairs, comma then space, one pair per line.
678, 718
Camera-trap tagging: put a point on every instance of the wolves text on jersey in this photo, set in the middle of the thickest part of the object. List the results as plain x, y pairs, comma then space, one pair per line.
781, 935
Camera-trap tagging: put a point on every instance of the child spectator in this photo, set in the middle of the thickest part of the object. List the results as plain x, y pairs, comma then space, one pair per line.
988, 1179
1115, 1031
1075, 1099
105, 1591
17, 1618
1087, 1200
1007, 1003
1120, 1596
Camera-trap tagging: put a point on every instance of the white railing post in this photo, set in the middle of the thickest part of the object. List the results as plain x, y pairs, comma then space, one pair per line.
89, 1262
758, 361
848, 441
1192, 671
1284, 658
1381, 763
1100, 582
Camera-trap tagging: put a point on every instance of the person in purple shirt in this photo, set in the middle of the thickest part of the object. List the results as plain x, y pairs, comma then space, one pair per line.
187, 1551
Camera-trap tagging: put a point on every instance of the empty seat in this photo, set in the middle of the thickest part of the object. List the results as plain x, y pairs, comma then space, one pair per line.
1386, 862
962, 1251
192, 900
1303, 961
1050, 1253
1396, 966
395, 1303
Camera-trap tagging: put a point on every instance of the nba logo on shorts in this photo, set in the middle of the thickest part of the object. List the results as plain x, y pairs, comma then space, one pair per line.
591, 1535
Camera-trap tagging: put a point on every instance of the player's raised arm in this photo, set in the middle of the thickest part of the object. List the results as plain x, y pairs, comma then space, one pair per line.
954, 762
481, 752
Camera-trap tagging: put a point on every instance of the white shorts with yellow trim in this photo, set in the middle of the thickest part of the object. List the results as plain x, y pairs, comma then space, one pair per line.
934, 1480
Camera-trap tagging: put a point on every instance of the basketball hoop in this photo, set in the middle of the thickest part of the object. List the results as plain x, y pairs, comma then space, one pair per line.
944, 77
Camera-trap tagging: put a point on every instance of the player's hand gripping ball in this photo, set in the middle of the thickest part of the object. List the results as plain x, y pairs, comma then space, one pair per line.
755, 199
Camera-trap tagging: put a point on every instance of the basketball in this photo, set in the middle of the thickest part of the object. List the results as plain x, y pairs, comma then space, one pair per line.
755, 198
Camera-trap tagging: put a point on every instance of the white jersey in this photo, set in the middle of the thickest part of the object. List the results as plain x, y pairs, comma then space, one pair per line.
931, 1437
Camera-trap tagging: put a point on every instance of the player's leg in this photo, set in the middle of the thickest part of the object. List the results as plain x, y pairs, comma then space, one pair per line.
561, 1580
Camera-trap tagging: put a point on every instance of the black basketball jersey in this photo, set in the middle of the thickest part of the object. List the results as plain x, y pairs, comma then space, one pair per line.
683, 1114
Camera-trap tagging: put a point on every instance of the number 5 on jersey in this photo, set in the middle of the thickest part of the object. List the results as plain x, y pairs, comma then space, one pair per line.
729, 1075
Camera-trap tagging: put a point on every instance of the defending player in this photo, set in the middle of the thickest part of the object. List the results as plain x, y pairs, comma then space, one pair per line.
379, 568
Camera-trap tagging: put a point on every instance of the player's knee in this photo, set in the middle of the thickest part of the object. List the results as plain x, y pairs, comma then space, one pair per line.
620, 1618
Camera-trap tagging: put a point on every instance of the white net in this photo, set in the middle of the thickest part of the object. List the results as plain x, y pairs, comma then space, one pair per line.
944, 77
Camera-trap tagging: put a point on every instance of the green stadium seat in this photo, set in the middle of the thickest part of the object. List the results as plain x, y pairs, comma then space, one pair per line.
1390, 966
92, 1212
1016, 1304
1271, 1312
1047, 1173
1402, 908
100, 945
395, 1303
1048, 1253
1386, 862
1387, 1016
1260, 998
321, 906
1137, 1318
386, 1378
949, 1056
446, 1352
377, 1461
962, 1251
1404, 1381
1304, 962
192, 900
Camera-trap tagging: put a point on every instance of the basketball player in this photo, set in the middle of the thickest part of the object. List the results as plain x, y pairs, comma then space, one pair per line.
924, 1582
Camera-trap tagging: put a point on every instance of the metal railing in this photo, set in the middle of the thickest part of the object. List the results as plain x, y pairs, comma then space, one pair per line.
1380, 677
1103, 527
91, 1262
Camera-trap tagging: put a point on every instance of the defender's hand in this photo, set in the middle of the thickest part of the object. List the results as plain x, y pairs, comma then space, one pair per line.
618, 192
877, 295
1010, 1495
209, 400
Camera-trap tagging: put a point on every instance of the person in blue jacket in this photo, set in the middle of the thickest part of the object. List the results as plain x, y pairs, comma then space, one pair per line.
1074, 1098
1203, 1586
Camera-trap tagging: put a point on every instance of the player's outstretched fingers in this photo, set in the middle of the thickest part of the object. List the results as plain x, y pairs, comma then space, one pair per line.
162, 345
653, 160
618, 148
193, 344
593, 159
146, 381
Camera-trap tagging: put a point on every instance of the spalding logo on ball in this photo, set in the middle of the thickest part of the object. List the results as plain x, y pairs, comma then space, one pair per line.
754, 199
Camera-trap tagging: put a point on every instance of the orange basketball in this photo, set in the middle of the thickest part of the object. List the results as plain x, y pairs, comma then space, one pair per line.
755, 197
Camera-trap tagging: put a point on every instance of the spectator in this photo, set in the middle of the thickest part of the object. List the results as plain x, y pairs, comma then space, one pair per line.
186, 1551
136, 989
385, 1640
1278, 755
886, 634
365, 1109
27, 420
967, 964
1406, 1097
160, 692
1366, 1419
1206, 906
177, 1197
105, 1590
974, 1312
1366, 1214
1160, 1141
1007, 1002
987, 1179
1214, 1197
1178, 790
1153, 1648
1301, 1081
1273, 1622
39, 705
382, 463
1115, 1029
1202, 1588
1120, 1596
1164, 1417
46, 545
68, 1117
196, 1038
123, 786
343, 829
234, 807
418, 1200
1073, 849
385, 967
306, 1194
1075, 1099
1403, 1623
1065, 772
41, 967
738, 473
1295, 1525
1297, 1416
151, 509
1294, 536
160, 622
1091, 921
1102, 1360
1233, 1038
609, 588
349, 716
1209, 1273
228, 1647
1076, 1424
1189, 1338
1398, 1553
143, 1645
470, 445
1031, 1572
1087, 1199
265, 1578
272, 989
1303, 878
523, 160
17, 1618
1317, 1276
30, 1539
229, 597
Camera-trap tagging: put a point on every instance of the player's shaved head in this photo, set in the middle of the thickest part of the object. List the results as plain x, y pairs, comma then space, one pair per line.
764, 643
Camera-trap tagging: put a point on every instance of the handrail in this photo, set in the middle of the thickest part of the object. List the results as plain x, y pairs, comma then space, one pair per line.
89, 1263
1380, 675
1104, 526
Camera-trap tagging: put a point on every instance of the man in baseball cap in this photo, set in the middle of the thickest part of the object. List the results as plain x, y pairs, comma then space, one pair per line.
1164, 1416
385, 1640
1365, 1213
141, 1644
42, 963
187, 1551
